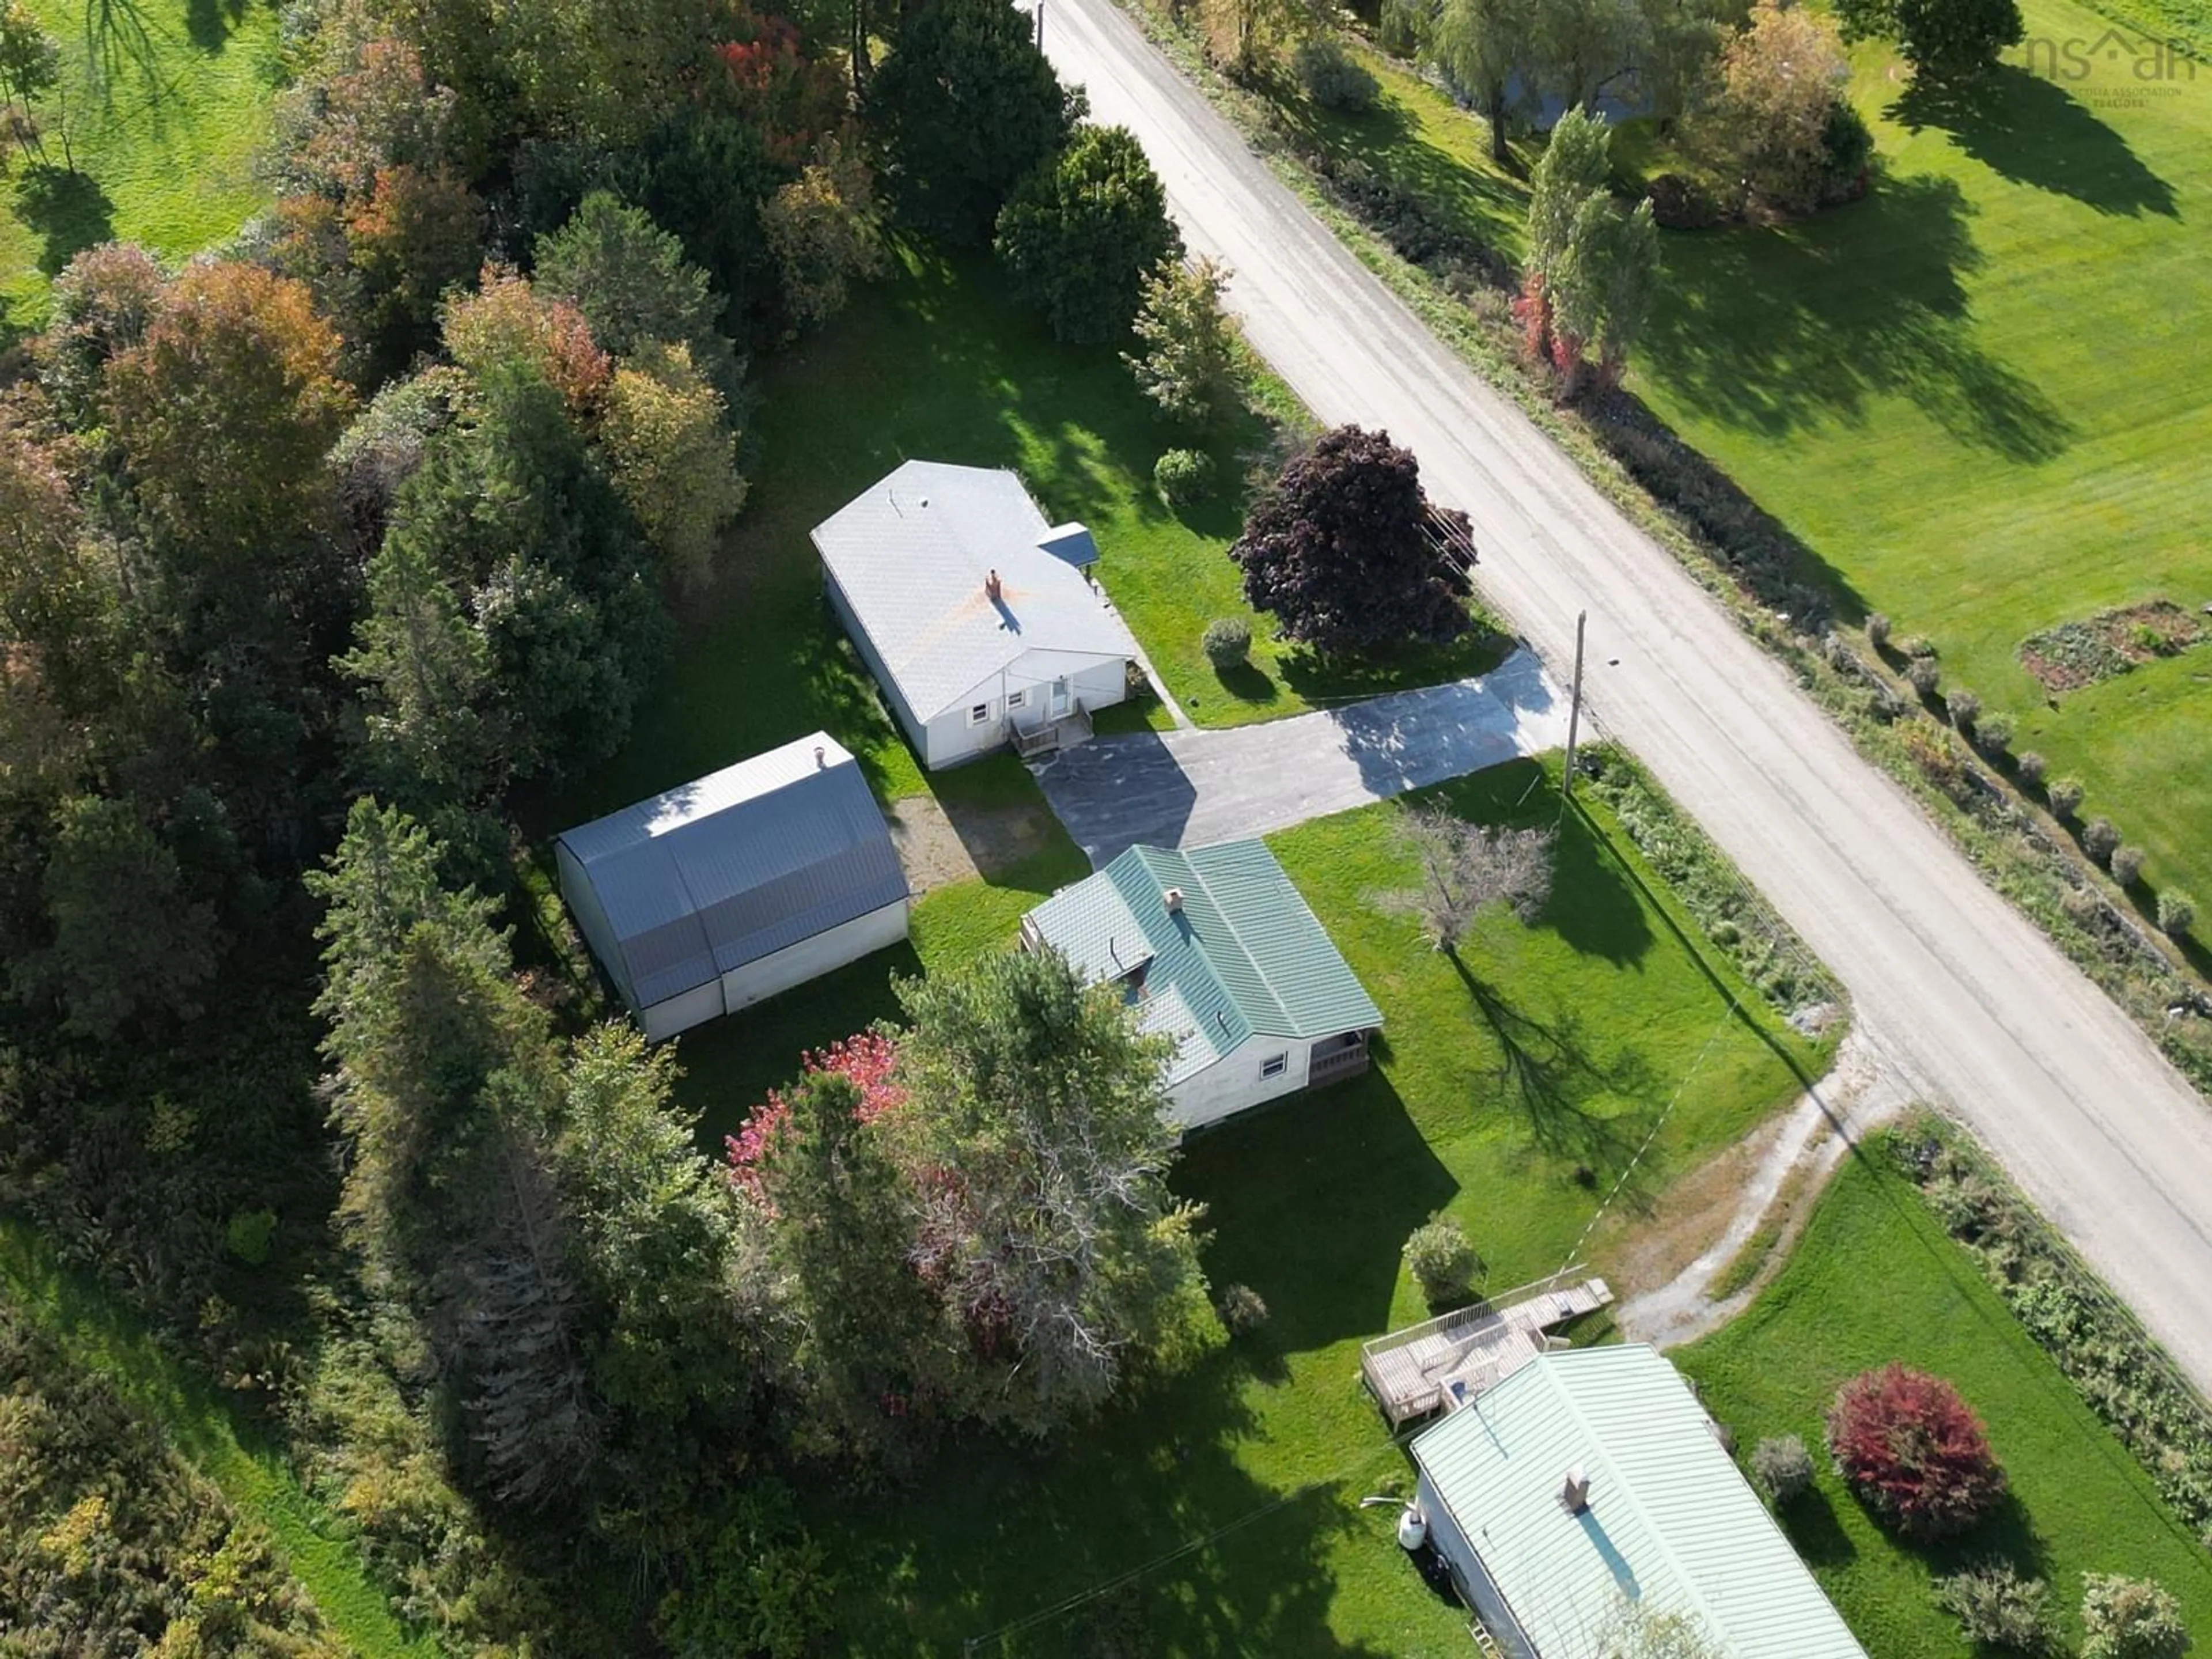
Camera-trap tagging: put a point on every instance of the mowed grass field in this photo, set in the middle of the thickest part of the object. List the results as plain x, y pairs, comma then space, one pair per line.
1876, 1280
1511, 1088
164, 104
1977, 396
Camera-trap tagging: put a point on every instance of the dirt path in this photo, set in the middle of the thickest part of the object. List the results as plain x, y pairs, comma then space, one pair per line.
1792, 1164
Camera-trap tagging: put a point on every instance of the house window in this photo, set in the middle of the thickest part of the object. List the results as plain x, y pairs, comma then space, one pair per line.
979, 714
1018, 699
1274, 1066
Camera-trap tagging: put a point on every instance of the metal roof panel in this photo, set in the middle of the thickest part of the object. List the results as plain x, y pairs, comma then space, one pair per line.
1670, 1523
739, 864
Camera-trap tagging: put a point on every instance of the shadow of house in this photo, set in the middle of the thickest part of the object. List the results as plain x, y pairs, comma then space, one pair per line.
1771, 331
1116, 791
2033, 131
1323, 1256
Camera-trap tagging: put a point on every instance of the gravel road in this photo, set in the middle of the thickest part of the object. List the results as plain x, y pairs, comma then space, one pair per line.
1958, 996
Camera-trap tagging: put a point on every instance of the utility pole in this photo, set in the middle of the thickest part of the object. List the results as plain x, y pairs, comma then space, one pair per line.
1574, 714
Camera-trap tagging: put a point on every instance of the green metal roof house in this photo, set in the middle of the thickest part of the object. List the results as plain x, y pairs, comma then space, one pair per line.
1591, 1479
1219, 951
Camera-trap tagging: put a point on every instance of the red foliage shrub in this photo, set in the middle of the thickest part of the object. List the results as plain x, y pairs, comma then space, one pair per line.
866, 1058
1532, 309
1913, 1451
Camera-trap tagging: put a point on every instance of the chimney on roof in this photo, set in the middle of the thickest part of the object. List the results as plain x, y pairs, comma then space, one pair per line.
1174, 899
1574, 1495
821, 761
992, 586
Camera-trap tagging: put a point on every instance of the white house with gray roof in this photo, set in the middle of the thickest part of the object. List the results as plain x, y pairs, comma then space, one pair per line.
749, 881
1590, 1482
972, 611
1217, 950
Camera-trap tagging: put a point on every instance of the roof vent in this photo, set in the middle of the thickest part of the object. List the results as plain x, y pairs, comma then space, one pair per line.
820, 757
1174, 898
1574, 1494
992, 586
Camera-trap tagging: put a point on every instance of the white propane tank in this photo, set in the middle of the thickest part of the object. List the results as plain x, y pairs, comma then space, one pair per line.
1412, 1527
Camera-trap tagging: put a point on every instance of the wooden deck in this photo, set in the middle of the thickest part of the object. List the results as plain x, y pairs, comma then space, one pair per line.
1444, 1363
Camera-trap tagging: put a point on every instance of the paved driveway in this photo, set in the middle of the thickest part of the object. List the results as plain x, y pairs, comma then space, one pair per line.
1189, 789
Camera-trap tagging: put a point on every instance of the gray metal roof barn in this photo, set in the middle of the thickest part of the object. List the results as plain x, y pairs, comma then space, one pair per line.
743, 884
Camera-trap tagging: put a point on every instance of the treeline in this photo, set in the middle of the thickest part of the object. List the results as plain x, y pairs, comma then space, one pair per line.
313, 552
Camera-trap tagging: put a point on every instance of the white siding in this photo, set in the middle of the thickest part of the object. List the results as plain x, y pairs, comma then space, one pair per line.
797, 963
1474, 1583
1233, 1083
1103, 686
952, 741
793, 965
592, 919
680, 1013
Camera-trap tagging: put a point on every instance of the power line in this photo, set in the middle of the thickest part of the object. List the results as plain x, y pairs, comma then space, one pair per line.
1735, 1004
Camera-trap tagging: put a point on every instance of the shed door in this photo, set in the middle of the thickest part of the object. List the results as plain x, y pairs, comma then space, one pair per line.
1058, 706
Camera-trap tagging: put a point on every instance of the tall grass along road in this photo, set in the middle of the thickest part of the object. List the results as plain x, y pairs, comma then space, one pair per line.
1956, 992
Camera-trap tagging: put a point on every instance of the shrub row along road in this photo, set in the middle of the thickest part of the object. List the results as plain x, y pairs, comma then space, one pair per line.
1961, 997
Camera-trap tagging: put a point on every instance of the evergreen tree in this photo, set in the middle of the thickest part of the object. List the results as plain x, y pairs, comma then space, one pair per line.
1045, 1228
844, 1236
631, 281
1083, 232
968, 106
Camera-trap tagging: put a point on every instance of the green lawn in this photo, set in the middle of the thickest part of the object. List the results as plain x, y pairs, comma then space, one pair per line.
937, 363
164, 104
96, 1334
1874, 1279
1972, 396
1614, 1009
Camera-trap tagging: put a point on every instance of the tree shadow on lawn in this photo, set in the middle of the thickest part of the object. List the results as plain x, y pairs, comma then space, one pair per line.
1547, 1070
1598, 906
119, 44
1139, 1534
1746, 1002
210, 22
68, 210
1779, 331
2031, 131
1288, 1219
